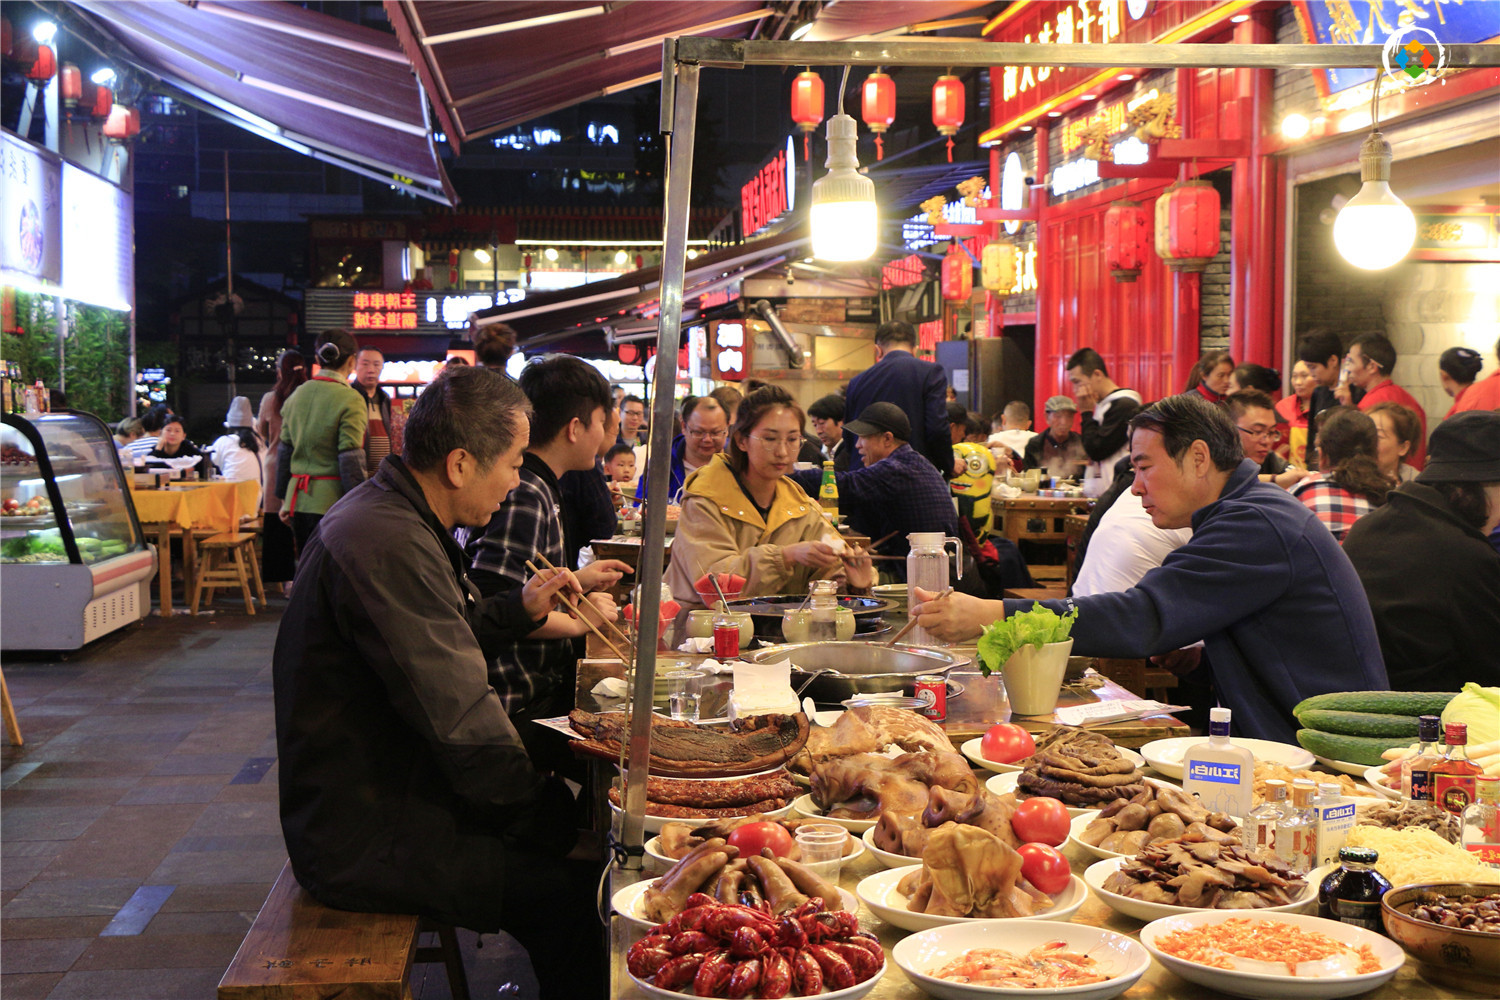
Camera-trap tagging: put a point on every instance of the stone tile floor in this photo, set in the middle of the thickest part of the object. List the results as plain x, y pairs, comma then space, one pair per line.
138, 823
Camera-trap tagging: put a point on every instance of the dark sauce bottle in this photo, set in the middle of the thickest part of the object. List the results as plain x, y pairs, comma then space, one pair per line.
1352, 893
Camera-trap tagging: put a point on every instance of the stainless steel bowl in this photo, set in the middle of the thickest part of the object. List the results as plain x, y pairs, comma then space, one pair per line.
846, 669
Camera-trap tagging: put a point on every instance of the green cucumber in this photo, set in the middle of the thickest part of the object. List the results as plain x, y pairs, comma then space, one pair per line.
1359, 723
1364, 750
1379, 702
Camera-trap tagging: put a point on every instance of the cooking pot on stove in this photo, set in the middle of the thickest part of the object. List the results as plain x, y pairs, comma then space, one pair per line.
834, 671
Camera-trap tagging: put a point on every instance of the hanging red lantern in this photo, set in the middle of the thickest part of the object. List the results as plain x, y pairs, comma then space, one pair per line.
44, 67
877, 106
807, 106
1187, 225
452, 268
958, 275
948, 107
1127, 239
70, 81
104, 102
123, 123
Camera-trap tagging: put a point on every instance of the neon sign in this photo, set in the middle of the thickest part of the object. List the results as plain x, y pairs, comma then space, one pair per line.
1085, 22
1080, 173
770, 193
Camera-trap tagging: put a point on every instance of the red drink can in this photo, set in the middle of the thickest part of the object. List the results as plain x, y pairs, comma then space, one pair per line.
932, 690
726, 640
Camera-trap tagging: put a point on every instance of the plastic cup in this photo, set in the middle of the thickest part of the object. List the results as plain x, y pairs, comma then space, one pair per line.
684, 689
821, 842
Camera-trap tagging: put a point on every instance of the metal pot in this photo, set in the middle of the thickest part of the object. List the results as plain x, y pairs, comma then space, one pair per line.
767, 612
846, 669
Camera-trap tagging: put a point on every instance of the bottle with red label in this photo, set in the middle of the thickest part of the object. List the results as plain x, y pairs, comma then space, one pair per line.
1453, 776
1481, 827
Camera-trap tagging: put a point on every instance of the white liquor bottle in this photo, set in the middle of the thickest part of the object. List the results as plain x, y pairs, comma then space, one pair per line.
1221, 774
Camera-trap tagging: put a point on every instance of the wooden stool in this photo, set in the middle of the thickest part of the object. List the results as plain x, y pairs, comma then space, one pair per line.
213, 572
12, 727
299, 949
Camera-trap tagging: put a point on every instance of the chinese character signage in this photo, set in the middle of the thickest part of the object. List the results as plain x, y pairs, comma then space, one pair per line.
1371, 22
728, 352
384, 311
424, 313
770, 193
31, 211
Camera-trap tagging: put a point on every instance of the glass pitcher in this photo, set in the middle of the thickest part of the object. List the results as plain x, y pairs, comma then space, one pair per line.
927, 567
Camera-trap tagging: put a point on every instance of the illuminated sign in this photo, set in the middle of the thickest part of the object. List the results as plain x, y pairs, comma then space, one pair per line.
1113, 116
1025, 268
385, 311
31, 232
1085, 22
453, 310
771, 192
727, 355
916, 231
1374, 22
1012, 188
1080, 173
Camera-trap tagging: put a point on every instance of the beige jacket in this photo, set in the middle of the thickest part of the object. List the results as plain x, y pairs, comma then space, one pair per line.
720, 531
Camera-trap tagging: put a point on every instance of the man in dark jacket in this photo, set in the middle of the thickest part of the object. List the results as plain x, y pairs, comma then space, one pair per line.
404, 787
917, 387
1262, 581
1432, 577
368, 364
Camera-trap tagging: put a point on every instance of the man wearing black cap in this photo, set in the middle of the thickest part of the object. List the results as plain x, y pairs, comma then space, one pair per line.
896, 490
1435, 626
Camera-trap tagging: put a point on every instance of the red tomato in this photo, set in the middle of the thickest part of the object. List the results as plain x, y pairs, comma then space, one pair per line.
1044, 867
753, 837
1041, 820
1006, 743
11, 503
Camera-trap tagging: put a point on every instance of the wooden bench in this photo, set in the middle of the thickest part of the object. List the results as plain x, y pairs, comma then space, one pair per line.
299, 949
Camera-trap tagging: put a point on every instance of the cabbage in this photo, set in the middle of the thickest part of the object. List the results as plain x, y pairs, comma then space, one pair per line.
1479, 708
1036, 627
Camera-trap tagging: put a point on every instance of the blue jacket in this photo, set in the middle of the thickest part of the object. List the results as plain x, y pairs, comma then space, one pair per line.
920, 389
1267, 588
902, 492
675, 487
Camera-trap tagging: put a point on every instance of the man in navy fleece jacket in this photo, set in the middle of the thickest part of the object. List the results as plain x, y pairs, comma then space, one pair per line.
1262, 582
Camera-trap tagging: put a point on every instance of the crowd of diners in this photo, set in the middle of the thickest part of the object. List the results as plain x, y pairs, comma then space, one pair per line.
1263, 550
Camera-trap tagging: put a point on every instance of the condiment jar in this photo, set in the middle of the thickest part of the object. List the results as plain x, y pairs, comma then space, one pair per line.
1351, 895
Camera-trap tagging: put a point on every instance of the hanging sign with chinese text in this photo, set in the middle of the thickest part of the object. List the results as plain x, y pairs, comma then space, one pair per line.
1371, 22
728, 352
770, 193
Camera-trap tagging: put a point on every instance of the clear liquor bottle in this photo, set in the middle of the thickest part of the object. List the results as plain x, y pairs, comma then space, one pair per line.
1297, 836
1416, 771
1220, 773
1481, 828
1265, 819
1453, 776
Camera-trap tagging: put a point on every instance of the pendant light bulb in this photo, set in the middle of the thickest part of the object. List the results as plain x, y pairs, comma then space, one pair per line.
1374, 229
845, 219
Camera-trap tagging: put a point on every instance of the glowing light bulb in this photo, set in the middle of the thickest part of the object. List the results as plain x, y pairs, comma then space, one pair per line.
483, 256
845, 219
1295, 126
550, 253
1374, 229
621, 256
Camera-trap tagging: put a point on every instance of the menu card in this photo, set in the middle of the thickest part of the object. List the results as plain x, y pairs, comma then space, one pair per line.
1102, 712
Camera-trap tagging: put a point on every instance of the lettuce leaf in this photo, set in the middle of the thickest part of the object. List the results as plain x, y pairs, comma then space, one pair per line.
1479, 708
1036, 627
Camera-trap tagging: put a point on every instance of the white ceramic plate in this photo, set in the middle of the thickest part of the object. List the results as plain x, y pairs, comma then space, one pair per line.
879, 893
1272, 986
886, 857
852, 993
971, 750
1347, 767
1119, 957
1372, 778
853, 848
1166, 755
1079, 824
804, 806
627, 903
1005, 784
653, 824
1140, 909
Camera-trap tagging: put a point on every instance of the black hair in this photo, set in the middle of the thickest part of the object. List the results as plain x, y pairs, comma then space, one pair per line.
248, 440
895, 332
617, 449
1315, 347
1247, 399
1468, 501
469, 408
335, 347
973, 424
173, 418
1018, 410
630, 399
1088, 360
561, 388
830, 407
957, 412
495, 344
291, 371
751, 410
729, 397
154, 419
692, 404
1377, 347
1462, 364
369, 347
1253, 376
1205, 366
1183, 419
1347, 441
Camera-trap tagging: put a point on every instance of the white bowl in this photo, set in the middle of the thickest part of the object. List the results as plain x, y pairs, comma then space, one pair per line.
853, 848
1265, 986
627, 903
927, 951
1006, 784
804, 806
886, 857
1372, 778
653, 824
1166, 755
1344, 766
1140, 909
879, 893
852, 993
972, 750
1081, 823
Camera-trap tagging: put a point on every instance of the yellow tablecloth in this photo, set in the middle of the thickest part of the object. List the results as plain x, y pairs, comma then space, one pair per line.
216, 506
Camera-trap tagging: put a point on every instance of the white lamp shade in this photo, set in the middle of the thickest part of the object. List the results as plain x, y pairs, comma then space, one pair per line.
1374, 229
844, 230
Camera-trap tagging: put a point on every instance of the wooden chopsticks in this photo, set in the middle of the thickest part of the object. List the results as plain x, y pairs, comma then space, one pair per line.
913, 623
574, 606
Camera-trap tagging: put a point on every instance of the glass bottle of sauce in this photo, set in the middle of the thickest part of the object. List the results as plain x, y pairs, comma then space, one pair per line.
1351, 895
1416, 772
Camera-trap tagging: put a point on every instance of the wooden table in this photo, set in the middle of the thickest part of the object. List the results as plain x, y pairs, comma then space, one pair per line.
1039, 519
186, 508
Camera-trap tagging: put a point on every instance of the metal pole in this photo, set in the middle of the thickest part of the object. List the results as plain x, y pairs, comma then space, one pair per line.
680, 101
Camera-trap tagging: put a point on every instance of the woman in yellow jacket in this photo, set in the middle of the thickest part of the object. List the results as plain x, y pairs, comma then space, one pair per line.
740, 514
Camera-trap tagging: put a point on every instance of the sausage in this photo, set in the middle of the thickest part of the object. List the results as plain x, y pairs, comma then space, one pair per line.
751, 896
810, 882
726, 888
665, 899
779, 890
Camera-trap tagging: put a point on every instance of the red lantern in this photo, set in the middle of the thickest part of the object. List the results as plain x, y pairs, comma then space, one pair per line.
104, 102
71, 83
44, 67
948, 107
452, 268
123, 123
807, 106
958, 275
877, 106
1187, 225
1127, 239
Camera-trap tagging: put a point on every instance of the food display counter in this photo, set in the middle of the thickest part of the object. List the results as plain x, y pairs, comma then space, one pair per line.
76, 565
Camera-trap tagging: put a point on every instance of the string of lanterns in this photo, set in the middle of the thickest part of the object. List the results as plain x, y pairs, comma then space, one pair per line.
877, 106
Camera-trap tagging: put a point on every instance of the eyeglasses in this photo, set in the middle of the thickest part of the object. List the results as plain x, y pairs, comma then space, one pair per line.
792, 443
1271, 435
708, 435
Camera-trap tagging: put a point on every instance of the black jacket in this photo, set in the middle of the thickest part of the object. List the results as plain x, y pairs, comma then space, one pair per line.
402, 781
1434, 586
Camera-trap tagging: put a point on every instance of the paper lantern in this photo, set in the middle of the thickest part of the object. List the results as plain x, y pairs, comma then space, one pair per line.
948, 107
997, 268
123, 123
1187, 226
44, 67
807, 106
104, 102
70, 83
877, 106
958, 276
1127, 239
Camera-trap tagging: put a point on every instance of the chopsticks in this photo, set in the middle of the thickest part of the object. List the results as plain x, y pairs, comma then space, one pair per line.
578, 613
913, 623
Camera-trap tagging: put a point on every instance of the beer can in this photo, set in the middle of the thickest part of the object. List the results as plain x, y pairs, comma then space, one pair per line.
932, 691
726, 640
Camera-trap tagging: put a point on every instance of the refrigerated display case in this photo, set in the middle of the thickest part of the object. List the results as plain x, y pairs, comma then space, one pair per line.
73, 563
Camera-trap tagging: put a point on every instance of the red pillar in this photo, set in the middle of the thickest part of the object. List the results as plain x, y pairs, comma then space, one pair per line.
1185, 310
1044, 378
1252, 335
994, 305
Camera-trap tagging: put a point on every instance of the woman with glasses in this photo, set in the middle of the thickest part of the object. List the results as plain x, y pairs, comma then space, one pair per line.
742, 515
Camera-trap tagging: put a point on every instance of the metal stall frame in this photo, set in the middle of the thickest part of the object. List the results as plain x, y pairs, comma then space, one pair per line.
682, 61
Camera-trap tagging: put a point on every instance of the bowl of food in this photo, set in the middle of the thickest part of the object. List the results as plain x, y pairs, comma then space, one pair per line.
1006, 784
884, 894
1377, 779
1272, 956
1451, 928
805, 806
1133, 893
1166, 755
836, 671
677, 840
1021, 957
887, 858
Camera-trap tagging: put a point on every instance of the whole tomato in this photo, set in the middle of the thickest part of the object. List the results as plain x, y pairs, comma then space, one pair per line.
1044, 867
753, 837
11, 503
1041, 820
1006, 743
